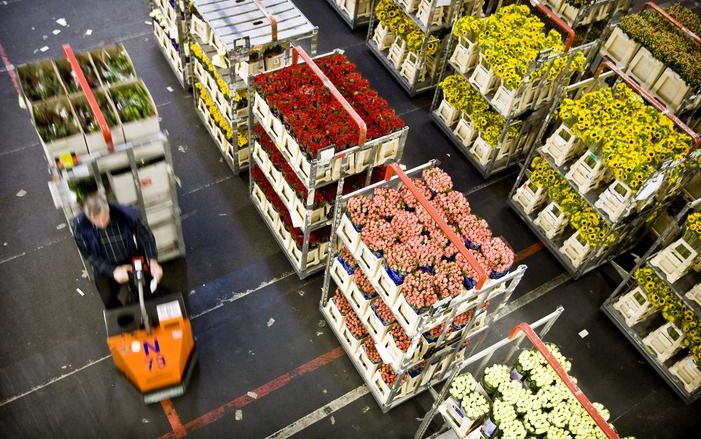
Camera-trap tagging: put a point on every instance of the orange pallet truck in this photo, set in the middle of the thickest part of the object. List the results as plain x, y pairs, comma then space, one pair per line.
151, 341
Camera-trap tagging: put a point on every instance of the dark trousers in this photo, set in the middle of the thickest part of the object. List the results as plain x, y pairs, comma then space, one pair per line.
109, 291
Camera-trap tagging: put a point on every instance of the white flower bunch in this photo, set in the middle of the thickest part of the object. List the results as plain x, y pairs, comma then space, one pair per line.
462, 386
542, 375
560, 416
527, 403
502, 412
603, 411
512, 391
557, 433
582, 425
495, 375
527, 360
512, 430
474, 405
536, 422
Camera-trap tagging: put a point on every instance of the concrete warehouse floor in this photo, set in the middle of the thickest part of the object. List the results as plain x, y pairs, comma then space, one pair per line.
57, 379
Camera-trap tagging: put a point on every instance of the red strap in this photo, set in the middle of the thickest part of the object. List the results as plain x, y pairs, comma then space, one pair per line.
457, 242
672, 20
576, 391
362, 136
97, 112
271, 18
558, 21
650, 98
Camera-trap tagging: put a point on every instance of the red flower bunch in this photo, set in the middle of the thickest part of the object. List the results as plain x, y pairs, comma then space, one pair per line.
378, 235
419, 289
383, 311
499, 256
314, 116
363, 283
437, 179
401, 258
387, 202
400, 338
409, 199
448, 279
342, 303
462, 319
371, 350
436, 332
406, 225
354, 325
348, 257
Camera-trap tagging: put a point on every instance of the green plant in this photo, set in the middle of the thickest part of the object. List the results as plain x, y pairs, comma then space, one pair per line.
133, 102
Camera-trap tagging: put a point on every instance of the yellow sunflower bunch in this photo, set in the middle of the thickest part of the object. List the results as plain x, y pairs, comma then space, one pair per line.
634, 138
672, 308
587, 221
693, 221
197, 51
392, 17
214, 111
242, 138
460, 94
510, 41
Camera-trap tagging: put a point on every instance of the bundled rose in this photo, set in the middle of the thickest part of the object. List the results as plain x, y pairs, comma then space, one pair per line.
498, 255
474, 405
453, 204
400, 338
355, 326
429, 221
388, 375
359, 209
401, 258
378, 235
474, 229
363, 284
406, 225
419, 290
466, 269
383, 311
462, 386
342, 303
428, 251
371, 350
461, 320
448, 279
408, 197
437, 179
434, 333
387, 202
348, 258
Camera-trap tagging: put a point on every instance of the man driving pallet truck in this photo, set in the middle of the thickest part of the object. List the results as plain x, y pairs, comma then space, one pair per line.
150, 341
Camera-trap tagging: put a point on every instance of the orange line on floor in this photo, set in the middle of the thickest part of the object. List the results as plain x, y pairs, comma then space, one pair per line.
265, 389
173, 419
529, 251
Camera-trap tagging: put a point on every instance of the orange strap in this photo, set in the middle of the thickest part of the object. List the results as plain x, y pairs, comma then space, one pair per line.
362, 136
672, 20
97, 112
457, 242
558, 21
576, 391
651, 99
271, 18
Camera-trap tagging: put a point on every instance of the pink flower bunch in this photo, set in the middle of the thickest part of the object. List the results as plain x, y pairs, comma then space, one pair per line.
378, 235
400, 338
363, 283
475, 229
428, 252
371, 350
409, 199
355, 326
462, 319
388, 375
348, 257
401, 258
453, 204
342, 303
406, 225
437, 179
383, 311
386, 202
436, 332
499, 256
419, 289
448, 279
427, 220
465, 268
359, 210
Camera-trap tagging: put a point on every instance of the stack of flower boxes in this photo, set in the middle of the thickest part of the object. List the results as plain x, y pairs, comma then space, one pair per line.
402, 300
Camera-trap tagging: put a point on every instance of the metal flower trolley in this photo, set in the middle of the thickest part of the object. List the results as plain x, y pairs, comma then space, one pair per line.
286, 181
102, 128
409, 37
400, 351
515, 378
230, 40
658, 305
585, 199
355, 13
491, 115
168, 19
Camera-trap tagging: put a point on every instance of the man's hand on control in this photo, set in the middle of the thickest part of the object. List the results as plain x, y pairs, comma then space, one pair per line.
156, 270
121, 273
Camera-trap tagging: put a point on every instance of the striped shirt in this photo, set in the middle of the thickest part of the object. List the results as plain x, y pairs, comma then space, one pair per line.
114, 241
